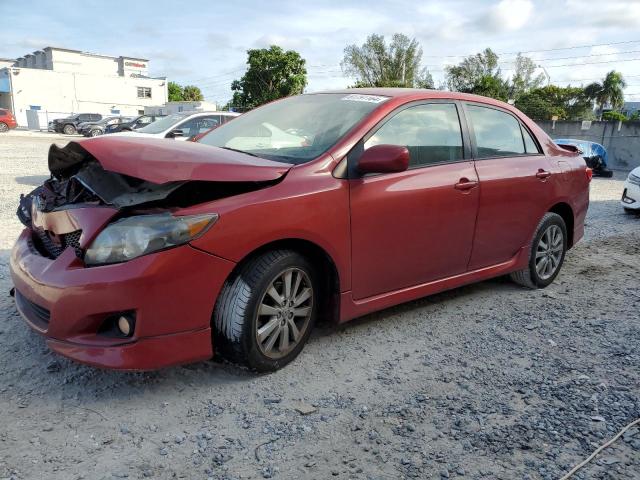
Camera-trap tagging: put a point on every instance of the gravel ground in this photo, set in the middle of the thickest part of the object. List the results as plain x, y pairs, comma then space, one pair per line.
486, 381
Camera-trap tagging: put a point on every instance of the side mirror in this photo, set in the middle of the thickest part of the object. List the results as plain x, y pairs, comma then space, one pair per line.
384, 159
176, 133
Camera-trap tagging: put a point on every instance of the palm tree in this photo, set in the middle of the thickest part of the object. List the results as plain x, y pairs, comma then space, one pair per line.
609, 92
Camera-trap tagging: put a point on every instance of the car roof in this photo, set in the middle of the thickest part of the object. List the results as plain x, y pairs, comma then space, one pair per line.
417, 93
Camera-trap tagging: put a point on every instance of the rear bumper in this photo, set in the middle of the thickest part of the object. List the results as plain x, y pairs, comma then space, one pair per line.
171, 294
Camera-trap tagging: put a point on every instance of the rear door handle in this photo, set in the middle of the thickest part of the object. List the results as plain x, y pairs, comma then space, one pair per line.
465, 184
543, 174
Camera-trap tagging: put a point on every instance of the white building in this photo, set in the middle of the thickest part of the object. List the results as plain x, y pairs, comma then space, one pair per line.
183, 106
56, 82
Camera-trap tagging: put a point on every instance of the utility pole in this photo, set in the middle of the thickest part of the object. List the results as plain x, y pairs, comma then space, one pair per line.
546, 73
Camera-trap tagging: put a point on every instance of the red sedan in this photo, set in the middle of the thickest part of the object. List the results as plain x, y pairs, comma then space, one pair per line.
141, 253
7, 120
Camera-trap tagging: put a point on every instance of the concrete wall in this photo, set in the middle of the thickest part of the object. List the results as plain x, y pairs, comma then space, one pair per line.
622, 140
62, 93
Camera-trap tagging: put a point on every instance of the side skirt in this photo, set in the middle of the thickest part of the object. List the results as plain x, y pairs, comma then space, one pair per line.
350, 308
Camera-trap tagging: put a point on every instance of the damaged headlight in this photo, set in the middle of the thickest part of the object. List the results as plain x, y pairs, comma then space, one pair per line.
135, 236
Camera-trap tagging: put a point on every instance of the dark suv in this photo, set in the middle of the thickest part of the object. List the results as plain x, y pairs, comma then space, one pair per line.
70, 124
138, 122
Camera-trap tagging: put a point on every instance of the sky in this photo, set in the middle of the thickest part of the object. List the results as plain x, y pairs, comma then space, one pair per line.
204, 42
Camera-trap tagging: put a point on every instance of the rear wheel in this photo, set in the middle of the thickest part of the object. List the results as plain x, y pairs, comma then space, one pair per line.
69, 129
95, 132
266, 311
548, 248
4, 127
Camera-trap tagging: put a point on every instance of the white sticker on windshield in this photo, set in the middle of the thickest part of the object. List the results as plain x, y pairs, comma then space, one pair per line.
357, 97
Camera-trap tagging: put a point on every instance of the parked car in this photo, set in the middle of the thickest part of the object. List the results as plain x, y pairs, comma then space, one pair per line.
593, 153
140, 253
183, 126
7, 120
631, 193
133, 124
69, 125
93, 129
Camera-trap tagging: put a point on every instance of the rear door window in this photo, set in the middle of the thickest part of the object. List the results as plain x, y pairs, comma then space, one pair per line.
497, 133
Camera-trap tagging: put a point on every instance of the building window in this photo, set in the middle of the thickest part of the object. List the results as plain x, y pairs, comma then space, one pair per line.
144, 92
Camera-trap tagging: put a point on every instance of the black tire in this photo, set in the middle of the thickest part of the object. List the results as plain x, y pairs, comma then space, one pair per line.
529, 277
631, 211
604, 173
4, 127
96, 132
69, 129
235, 314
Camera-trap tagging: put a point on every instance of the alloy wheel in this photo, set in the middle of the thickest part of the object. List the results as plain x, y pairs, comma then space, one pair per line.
284, 313
94, 133
549, 252
3, 127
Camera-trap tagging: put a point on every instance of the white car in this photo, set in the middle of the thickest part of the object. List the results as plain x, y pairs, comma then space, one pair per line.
631, 193
182, 126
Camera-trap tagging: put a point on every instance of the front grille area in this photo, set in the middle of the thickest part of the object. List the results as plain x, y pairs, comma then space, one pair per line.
45, 244
34, 313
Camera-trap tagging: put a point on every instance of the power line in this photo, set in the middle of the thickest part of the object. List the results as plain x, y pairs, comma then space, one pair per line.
543, 50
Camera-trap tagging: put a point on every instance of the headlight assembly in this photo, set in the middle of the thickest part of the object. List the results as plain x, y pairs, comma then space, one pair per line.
139, 235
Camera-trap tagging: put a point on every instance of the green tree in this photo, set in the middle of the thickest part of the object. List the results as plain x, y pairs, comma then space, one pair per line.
191, 93
376, 64
614, 116
524, 78
272, 74
472, 71
567, 103
609, 92
175, 92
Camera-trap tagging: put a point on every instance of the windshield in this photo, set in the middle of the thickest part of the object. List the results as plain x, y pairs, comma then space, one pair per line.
163, 124
296, 129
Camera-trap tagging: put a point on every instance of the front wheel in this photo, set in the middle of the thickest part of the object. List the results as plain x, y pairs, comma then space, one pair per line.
548, 248
69, 129
266, 311
95, 133
4, 127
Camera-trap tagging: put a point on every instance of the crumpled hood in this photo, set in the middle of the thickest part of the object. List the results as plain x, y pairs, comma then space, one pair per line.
161, 160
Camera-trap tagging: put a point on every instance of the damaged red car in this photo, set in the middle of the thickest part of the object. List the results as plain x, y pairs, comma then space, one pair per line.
141, 253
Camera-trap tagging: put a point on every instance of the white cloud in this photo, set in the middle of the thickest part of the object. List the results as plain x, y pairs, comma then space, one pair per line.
507, 15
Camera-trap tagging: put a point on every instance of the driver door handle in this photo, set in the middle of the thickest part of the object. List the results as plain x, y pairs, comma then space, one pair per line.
465, 184
543, 174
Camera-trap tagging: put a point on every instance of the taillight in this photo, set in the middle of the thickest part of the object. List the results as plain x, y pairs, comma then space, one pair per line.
589, 173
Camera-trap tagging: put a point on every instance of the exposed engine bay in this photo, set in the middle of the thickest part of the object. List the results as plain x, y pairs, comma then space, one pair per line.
78, 179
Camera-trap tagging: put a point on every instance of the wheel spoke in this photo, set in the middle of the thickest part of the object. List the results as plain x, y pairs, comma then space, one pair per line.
541, 244
301, 312
549, 268
295, 333
305, 295
296, 285
540, 253
267, 310
266, 329
284, 339
272, 340
542, 265
273, 293
287, 284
